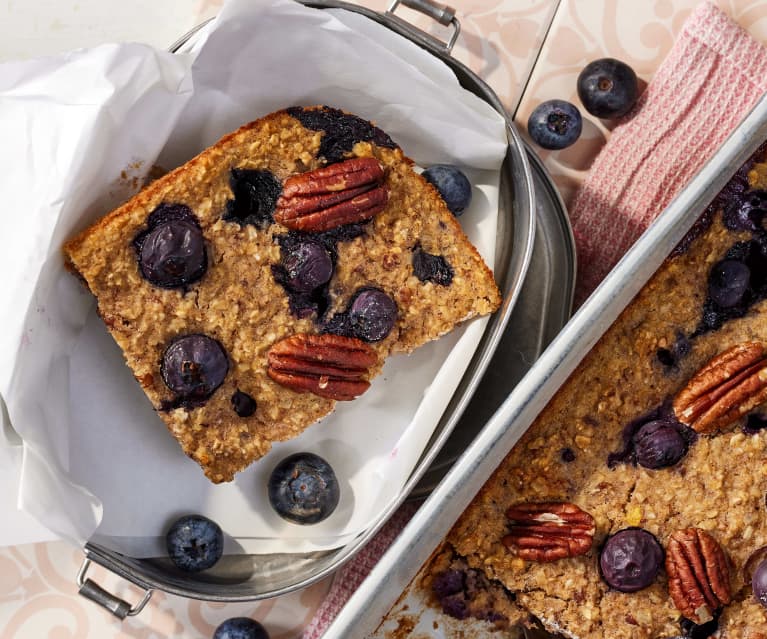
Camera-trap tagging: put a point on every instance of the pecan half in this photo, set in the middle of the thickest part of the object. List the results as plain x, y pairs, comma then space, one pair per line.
726, 388
331, 366
549, 531
698, 574
342, 193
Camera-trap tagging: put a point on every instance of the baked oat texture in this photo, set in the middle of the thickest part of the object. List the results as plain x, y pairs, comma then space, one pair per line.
719, 486
238, 302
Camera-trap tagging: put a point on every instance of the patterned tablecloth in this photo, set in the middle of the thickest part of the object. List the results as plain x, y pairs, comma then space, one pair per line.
527, 50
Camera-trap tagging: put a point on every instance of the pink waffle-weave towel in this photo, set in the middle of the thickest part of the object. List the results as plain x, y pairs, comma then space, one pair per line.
711, 78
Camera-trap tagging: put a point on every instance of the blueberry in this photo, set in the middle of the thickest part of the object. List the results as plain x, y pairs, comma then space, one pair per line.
194, 366
303, 489
448, 582
706, 630
194, 543
658, 444
255, 197
307, 265
755, 423
372, 314
630, 559
728, 283
240, 628
567, 455
431, 268
746, 211
341, 131
171, 252
555, 124
759, 583
608, 88
243, 404
452, 184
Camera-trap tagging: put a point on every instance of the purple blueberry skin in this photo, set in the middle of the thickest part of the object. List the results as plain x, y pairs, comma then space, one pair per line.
194, 366
308, 267
240, 628
608, 88
728, 282
555, 124
173, 254
746, 212
372, 314
303, 489
194, 543
658, 444
630, 560
243, 404
759, 583
452, 184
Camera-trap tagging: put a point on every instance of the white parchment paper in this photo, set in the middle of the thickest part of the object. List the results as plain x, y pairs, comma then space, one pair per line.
98, 463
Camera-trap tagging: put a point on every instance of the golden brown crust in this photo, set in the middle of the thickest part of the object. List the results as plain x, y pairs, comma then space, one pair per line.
239, 303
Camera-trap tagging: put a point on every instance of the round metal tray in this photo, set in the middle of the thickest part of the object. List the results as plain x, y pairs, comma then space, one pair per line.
250, 577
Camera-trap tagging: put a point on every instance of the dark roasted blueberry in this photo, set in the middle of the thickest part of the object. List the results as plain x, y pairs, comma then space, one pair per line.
303, 488
567, 455
693, 630
240, 628
455, 605
194, 543
448, 582
255, 197
244, 405
745, 213
372, 314
670, 357
171, 251
431, 268
755, 423
728, 282
555, 124
341, 131
194, 366
608, 88
630, 559
759, 583
308, 266
659, 444
452, 184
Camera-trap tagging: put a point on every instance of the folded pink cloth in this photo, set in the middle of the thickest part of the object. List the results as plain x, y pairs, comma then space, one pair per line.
711, 78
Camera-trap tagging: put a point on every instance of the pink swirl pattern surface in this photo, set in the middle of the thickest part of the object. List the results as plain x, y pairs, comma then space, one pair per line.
528, 52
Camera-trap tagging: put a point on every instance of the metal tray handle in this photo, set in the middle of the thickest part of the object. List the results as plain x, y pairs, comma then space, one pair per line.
118, 607
442, 13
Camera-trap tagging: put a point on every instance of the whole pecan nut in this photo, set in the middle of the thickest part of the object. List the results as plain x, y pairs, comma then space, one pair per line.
342, 193
698, 574
549, 531
331, 366
726, 388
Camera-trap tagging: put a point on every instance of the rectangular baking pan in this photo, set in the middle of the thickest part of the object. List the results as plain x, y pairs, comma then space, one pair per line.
367, 608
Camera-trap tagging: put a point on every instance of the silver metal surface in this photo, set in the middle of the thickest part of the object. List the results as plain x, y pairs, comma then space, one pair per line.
249, 577
118, 607
441, 13
412, 548
543, 308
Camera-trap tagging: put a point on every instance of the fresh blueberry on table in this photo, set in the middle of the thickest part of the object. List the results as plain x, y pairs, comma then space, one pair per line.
240, 628
555, 124
303, 489
452, 184
608, 88
630, 559
194, 543
728, 282
194, 366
